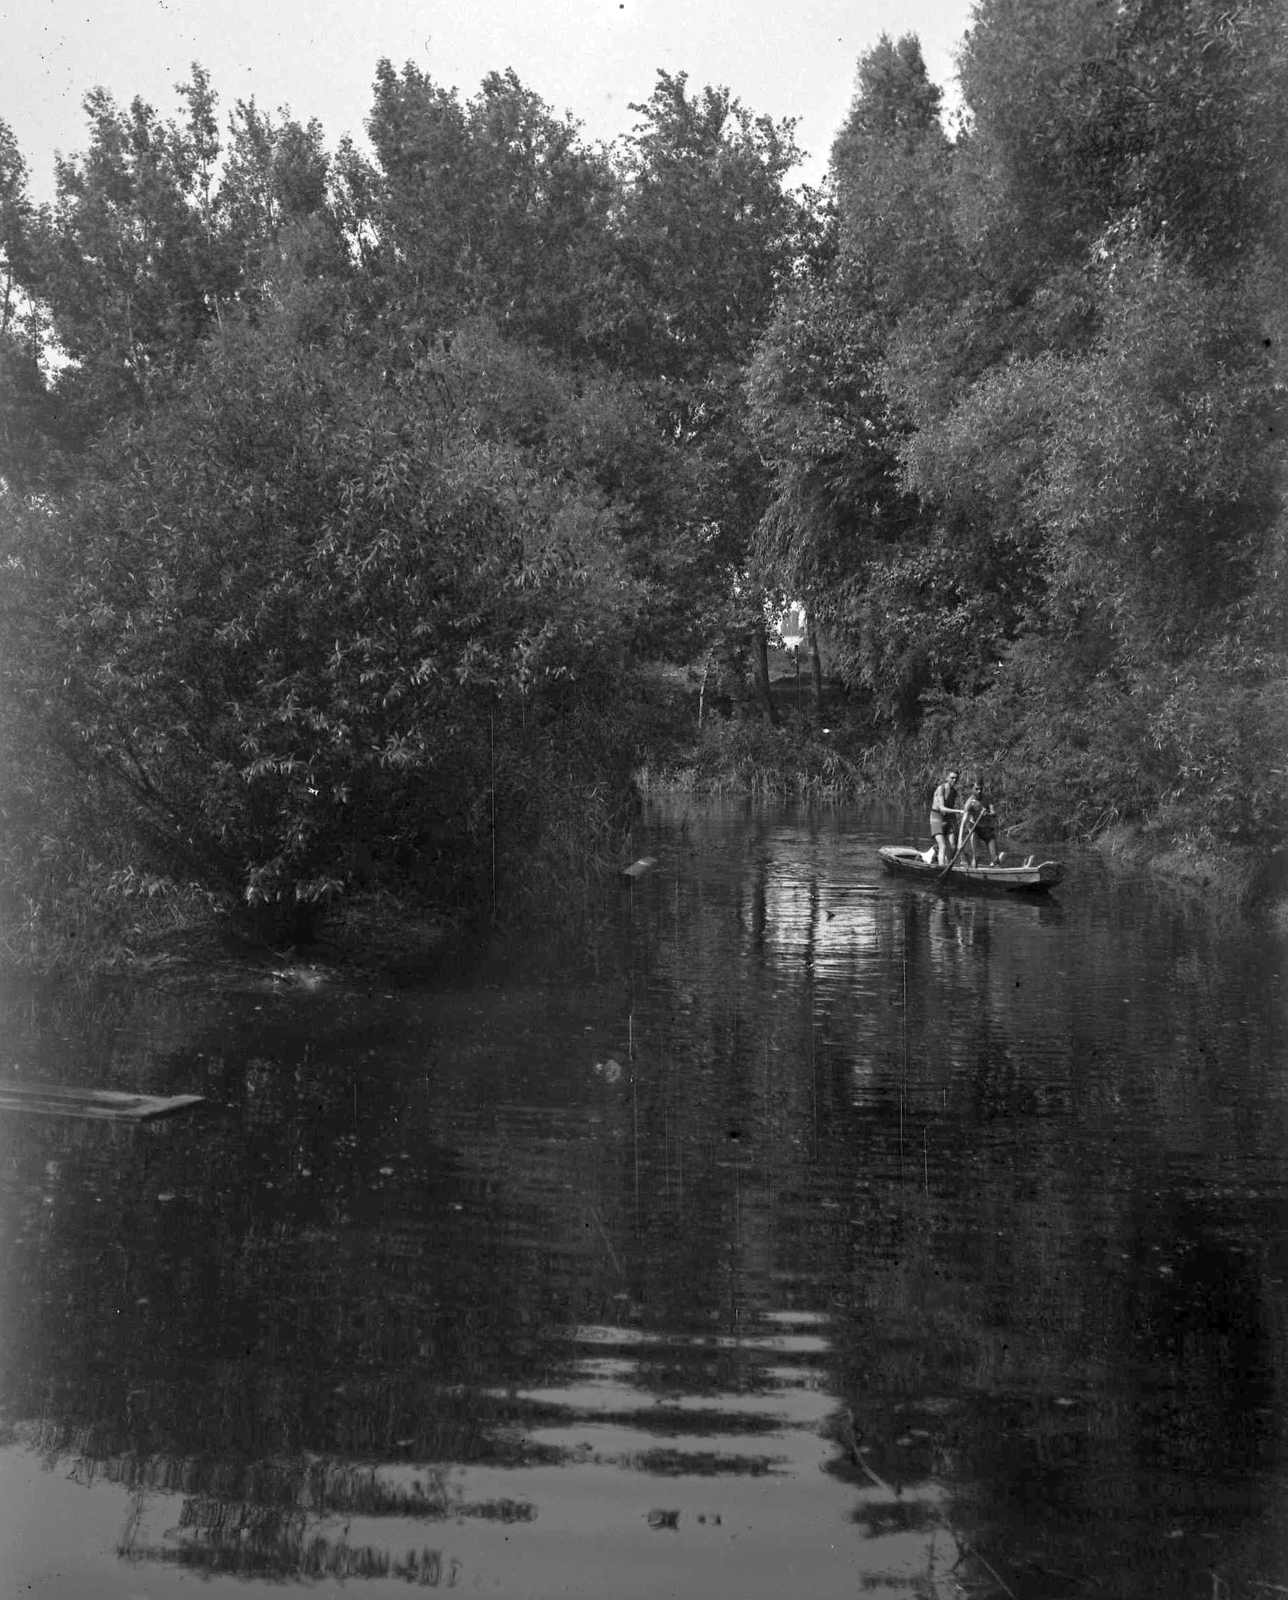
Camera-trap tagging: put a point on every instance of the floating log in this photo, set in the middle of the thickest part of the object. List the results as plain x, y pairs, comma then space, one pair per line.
61, 1100
637, 869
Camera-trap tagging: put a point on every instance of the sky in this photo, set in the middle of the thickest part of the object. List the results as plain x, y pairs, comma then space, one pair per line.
786, 58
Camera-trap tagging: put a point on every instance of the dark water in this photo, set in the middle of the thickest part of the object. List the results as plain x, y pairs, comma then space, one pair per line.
791, 1231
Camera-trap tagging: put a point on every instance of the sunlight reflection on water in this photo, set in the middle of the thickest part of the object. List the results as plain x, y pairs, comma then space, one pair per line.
915, 1239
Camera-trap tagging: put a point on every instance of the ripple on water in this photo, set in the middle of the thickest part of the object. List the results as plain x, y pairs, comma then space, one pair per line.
916, 1245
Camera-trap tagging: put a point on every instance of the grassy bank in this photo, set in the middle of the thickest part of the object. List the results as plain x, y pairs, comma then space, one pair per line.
1243, 878
81, 913
180, 935
798, 761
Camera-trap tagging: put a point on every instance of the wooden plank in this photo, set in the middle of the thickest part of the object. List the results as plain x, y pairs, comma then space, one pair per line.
63, 1100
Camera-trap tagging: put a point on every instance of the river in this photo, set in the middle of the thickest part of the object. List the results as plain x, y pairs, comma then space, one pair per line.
778, 1228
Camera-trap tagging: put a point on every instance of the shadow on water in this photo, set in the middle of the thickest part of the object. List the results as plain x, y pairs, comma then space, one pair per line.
790, 1228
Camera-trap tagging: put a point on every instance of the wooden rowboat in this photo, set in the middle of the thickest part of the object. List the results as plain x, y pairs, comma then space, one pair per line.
1035, 877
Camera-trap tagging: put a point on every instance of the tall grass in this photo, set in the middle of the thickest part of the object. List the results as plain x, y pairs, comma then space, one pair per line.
90, 914
748, 757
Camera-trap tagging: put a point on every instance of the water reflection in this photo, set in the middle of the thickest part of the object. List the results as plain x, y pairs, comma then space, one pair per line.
912, 1243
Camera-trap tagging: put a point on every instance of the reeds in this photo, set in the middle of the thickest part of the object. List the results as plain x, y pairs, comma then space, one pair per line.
796, 762
103, 920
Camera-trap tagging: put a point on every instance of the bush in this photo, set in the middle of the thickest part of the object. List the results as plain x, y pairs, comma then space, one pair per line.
281, 623
747, 756
1072, 747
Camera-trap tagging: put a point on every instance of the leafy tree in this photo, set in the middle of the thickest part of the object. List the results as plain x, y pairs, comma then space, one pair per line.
660, 268
822, 411
823, 422
17, 215
1025, 428
127, 259
490, 206
158, 231
1026, 200
275, 197
891, 164
1181, 126
290, 601
26, 415
706, 237
1131, 460
1122, 437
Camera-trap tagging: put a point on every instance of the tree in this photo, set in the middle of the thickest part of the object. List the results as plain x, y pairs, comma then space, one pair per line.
291, 600
26, 416
706, 237
1131, 456
492, 206
823, 412
159, 231
1116, 422
1181, 126
275, 194
127, 260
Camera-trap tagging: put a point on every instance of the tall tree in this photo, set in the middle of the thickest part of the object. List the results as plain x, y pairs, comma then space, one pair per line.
158, 231
1124, 198
129, 262
27, 421
823, 415
707, 236
275, 191
492, 205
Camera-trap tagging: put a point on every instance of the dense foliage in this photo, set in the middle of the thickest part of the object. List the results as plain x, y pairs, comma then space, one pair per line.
342, 499
347, 500
1027, 427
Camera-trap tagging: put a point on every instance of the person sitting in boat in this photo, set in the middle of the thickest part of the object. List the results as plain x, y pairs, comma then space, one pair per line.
979, 821
943, 808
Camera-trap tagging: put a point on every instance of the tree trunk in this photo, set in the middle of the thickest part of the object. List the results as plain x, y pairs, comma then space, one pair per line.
760, 656
815, 667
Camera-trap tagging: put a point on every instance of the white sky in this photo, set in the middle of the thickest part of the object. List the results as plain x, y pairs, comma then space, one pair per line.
591, 57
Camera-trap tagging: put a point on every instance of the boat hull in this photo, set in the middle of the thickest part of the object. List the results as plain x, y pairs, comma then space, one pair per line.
1035, 879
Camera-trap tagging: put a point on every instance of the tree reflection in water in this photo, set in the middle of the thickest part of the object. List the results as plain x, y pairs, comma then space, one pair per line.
955, 1225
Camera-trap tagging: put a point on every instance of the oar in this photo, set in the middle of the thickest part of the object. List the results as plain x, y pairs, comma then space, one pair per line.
961, 845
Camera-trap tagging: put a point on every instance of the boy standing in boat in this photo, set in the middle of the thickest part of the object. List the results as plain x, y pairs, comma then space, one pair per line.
942, 808
979, 820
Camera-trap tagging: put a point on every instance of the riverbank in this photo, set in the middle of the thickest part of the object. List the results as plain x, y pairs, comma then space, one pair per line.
840, 766
186, 939
183, 937
1242, 879
796, 760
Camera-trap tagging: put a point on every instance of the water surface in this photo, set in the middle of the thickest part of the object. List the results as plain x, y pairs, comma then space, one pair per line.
787, 1229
